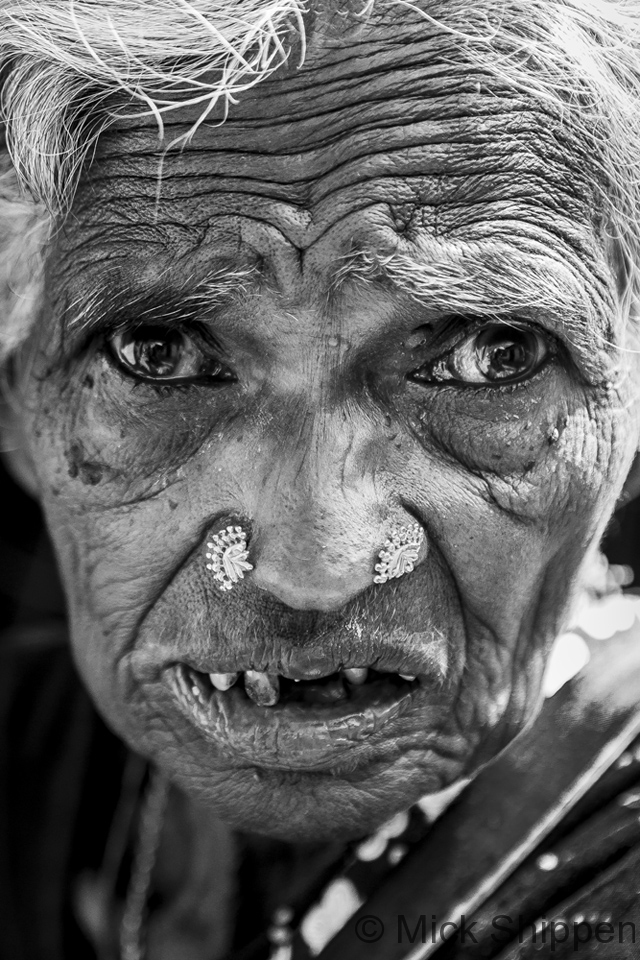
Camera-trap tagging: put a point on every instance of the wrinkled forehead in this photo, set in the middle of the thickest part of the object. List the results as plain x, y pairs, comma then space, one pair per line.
387, 135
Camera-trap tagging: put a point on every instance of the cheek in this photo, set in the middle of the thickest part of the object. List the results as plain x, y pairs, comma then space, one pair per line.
504, 433
123, 513
128, 439
515, 496
546, 456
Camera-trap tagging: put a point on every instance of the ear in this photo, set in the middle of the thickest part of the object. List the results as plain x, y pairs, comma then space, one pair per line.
13, 450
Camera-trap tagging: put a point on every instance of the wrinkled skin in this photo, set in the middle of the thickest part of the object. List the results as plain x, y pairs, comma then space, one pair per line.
322, 443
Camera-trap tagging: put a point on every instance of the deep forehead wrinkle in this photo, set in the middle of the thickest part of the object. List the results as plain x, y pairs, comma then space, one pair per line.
406, 104
376, 116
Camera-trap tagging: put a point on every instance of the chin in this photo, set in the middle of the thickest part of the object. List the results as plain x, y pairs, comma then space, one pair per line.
343, 802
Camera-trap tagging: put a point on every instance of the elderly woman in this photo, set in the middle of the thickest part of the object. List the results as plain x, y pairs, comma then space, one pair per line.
321, 356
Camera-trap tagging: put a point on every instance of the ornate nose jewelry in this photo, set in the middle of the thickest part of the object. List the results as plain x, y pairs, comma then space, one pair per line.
399, 553
228, 555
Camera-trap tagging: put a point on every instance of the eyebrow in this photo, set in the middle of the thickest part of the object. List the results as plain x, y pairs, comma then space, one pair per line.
164, 302
483, 278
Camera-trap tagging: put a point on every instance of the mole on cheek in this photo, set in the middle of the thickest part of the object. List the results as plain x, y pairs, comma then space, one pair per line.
90, 472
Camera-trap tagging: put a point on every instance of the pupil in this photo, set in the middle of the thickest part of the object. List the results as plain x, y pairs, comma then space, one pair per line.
159, 354
501, 356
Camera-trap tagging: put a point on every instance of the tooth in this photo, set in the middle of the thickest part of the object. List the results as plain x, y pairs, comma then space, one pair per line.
263, 688
408, 676
222, 681
356, 675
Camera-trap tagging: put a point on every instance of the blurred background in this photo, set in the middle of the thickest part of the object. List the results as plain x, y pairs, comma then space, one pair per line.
30, 590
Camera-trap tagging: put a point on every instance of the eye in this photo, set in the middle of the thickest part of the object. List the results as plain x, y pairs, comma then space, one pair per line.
155, 352
498, 353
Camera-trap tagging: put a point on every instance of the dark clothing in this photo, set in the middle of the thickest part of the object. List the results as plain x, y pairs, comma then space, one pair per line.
60, 775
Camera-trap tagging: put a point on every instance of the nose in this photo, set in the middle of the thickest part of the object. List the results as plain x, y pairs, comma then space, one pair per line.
311, 566
318, 523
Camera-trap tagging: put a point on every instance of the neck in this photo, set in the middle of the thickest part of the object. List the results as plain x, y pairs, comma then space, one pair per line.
219, 884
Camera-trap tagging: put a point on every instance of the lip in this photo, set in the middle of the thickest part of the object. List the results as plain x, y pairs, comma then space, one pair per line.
289, 736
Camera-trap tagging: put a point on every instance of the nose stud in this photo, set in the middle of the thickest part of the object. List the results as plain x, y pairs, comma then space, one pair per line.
400, 553
228, 557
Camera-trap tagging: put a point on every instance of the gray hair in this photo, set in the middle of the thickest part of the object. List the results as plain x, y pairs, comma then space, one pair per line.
68, 66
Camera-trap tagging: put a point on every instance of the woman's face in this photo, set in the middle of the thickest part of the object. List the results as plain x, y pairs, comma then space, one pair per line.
334, 315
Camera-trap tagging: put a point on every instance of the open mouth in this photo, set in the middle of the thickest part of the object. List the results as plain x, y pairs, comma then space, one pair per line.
268, 689
291, 723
